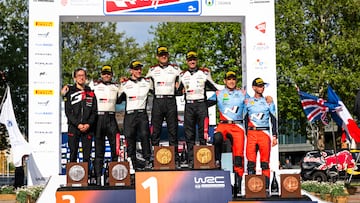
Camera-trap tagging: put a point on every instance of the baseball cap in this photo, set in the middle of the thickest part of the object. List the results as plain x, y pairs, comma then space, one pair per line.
191, 55
230, 74
258, 82
162, 50
135, 65
106, 69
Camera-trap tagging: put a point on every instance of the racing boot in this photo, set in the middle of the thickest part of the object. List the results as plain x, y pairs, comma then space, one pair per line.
98, 181
237, 188
148, 165
267, 184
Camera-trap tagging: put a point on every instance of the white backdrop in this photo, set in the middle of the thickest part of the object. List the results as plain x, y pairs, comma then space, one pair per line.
258, 55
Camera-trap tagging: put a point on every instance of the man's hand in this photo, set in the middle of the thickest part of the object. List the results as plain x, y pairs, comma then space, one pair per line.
83, 127
122, 79
86, 127
206, 69
269, 99
64, 90
274, 141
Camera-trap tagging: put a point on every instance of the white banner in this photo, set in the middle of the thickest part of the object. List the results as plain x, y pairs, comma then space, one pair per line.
19, 146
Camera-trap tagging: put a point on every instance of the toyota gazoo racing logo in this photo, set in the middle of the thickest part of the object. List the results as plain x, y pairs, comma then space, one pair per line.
113, 7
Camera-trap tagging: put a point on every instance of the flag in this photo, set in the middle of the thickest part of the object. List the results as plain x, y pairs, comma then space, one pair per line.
315, 108
343, 117
19, 146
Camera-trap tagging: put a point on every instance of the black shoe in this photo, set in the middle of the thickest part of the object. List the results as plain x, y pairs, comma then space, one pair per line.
148, 165
267, 193
177, 165
98, 181
191, 164
218, 164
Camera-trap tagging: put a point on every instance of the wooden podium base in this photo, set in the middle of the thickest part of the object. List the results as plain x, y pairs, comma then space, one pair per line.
204, 157
119, 173
77, 174
164, 158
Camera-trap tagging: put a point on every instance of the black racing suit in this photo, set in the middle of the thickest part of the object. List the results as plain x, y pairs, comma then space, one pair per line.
136, 122
80, 108
195, 82
164, 103
106, 94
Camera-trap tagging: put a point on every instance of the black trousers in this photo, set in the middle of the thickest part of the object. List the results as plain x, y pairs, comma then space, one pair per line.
74, 137
165, 108
195, 117
136, 125
106, 126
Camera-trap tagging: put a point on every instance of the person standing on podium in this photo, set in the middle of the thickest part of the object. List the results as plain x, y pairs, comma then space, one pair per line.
135, 92
164, 77
107, 93
193, 84
231, 104
81, 112
259, 114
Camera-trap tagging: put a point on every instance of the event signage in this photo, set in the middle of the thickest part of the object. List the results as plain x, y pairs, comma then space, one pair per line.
46, 17
175, 7
211, 186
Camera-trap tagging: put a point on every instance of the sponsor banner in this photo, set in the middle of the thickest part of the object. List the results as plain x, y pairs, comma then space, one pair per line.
170, 186
260, 56
43, 92
155, 7
39, 23
224, 7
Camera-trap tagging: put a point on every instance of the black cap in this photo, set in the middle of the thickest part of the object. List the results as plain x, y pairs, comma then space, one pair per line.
191, 55
230, 74
135, 65
162, 50
106, 69
258, 82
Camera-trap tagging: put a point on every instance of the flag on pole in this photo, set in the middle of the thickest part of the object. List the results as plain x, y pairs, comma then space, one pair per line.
19, 146
315, 108
343, 117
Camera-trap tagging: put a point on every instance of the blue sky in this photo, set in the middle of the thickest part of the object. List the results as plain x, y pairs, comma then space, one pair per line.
138, 30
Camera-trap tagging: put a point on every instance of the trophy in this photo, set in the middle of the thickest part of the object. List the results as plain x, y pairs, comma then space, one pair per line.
164, 158
77, 174
255, 186
119, 173
204, 157
290, 186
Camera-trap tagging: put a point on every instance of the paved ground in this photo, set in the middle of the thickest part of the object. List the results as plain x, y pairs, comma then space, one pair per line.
356, 197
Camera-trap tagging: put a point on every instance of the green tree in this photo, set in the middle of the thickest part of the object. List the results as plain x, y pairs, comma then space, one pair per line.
13, 59
91, 45
317, 43
218, 44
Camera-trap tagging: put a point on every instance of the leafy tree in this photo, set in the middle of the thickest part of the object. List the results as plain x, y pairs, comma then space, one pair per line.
218, 44
317, 44
91, 45
13, 59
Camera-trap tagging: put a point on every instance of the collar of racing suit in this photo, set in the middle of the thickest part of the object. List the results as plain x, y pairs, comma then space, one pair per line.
192, 71
136, 80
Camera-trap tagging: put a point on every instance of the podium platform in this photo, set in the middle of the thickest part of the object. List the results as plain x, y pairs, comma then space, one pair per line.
211, 186
273, 199
93, 194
